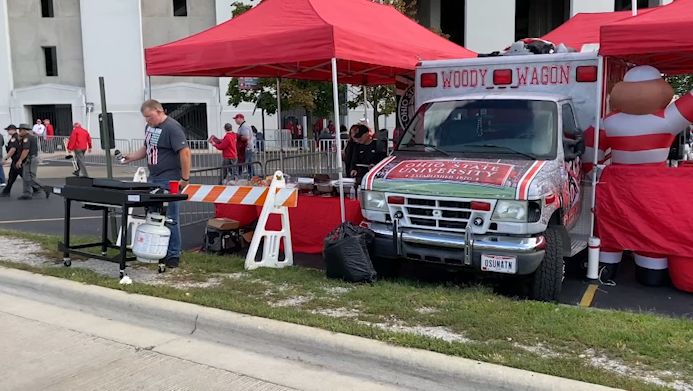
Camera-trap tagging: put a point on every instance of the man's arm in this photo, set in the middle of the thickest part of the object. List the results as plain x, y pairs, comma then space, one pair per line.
89, 140
137, 155
10, 153
22, 157
185, 163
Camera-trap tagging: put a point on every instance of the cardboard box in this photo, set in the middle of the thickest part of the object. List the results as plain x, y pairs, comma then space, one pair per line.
223, 224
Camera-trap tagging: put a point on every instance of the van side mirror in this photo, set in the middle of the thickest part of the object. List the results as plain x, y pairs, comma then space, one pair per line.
572, 149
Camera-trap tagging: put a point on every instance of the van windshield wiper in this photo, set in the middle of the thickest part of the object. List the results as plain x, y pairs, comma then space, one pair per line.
509, 149
433, 147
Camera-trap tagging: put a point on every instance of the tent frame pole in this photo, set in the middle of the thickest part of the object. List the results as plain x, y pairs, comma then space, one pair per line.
593, 260
279, 125
338, 139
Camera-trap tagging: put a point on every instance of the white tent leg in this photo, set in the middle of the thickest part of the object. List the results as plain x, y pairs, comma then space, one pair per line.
338, 139
279, 127
593, 261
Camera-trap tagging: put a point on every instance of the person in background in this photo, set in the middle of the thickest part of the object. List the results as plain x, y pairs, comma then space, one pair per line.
260, 137
3, 180
14, 150
330, 126
79, 143
28, 163
229, 153
168, 159
367, 153
39, 131
348, 153
50, 133
246, 141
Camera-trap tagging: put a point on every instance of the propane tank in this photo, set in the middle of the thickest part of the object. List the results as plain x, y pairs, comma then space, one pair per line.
151, 239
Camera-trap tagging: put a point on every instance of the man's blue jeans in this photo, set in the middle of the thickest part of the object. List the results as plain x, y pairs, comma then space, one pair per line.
173, 213
249, 161
2, 173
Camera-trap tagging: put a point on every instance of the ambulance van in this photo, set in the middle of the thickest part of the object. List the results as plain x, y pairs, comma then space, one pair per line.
487, 176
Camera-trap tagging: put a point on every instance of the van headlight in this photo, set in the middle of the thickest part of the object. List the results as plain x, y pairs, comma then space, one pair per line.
373, 200
512, 211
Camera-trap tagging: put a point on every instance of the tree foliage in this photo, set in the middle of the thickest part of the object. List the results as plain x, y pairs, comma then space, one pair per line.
682, 83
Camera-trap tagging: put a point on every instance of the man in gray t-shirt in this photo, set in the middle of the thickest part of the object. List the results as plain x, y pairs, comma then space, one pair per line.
168, 158
247, 137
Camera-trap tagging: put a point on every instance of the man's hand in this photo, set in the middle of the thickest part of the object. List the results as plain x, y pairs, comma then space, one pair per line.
353, 173
89, 150
19, 164
182, 184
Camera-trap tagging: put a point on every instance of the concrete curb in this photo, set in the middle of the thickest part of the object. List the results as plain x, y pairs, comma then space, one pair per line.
218, 325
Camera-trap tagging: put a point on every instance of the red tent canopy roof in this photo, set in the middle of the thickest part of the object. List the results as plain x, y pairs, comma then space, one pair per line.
661, 38
297, 39
583, 28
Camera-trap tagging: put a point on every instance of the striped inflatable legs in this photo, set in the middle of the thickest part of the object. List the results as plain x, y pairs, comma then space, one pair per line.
650, 269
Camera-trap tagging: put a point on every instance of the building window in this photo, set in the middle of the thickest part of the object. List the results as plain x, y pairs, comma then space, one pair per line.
51, 57
180, 8
47, 8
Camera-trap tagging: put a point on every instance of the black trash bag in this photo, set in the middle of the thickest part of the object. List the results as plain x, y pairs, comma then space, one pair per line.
346, 254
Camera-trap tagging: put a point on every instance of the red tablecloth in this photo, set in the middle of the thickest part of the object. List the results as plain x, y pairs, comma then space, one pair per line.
311, 220
648, 209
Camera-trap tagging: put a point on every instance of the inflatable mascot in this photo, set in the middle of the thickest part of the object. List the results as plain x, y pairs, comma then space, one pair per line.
640, 129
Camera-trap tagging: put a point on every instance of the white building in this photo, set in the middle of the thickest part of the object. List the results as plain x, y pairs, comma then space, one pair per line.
52, 53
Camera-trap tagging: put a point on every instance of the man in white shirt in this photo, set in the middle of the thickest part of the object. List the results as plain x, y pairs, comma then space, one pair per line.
247, 140
38, 129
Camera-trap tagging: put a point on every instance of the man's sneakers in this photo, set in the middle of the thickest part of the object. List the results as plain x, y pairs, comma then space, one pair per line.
172, 262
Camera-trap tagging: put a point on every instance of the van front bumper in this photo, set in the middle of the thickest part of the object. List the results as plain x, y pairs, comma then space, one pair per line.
464, 250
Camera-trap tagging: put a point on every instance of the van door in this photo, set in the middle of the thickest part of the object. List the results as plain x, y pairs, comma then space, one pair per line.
572, 185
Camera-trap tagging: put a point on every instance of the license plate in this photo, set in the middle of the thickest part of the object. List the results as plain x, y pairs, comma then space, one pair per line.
498, 264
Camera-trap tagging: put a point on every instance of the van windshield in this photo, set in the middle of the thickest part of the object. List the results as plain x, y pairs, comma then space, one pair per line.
487, 126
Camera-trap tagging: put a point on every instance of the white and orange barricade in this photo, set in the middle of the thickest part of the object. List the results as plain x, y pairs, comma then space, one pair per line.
275, 199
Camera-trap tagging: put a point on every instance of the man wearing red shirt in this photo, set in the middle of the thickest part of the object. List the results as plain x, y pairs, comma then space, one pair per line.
79, 143
50, 132
229, 151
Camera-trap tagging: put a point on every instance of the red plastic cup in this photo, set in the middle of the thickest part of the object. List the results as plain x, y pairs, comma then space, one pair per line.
173, 187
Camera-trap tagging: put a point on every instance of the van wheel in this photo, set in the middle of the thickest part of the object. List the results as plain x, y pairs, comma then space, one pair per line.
547, 281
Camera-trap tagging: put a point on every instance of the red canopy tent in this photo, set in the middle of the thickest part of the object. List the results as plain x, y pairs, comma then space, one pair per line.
583, 28
296, 39
348, 41
661, 38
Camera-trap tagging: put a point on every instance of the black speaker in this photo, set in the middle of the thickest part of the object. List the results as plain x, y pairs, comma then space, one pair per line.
111, 137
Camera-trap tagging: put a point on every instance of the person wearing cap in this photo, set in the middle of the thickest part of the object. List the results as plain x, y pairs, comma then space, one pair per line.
14, 149
79, 143
246, 142
28, 163
227, 146
168, 159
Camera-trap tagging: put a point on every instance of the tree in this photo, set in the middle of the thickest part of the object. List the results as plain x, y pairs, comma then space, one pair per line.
682, 83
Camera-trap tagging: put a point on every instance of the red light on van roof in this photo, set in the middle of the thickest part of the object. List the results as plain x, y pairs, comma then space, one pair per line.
503, 77
429, 80
586, 74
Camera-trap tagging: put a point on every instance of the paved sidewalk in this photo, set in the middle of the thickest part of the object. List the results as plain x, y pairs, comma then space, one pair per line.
40, 356
240, 347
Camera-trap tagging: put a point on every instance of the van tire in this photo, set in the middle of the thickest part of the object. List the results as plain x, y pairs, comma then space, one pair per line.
547, 280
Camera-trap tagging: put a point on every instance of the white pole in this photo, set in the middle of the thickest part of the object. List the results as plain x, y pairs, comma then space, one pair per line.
365, 104
634, 6
279, 126
149, 87
338, 139
593, 261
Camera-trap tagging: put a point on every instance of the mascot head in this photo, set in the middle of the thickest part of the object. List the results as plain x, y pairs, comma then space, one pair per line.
642, 91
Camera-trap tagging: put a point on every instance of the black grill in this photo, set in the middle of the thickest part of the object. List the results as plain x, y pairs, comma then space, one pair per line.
455, 204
